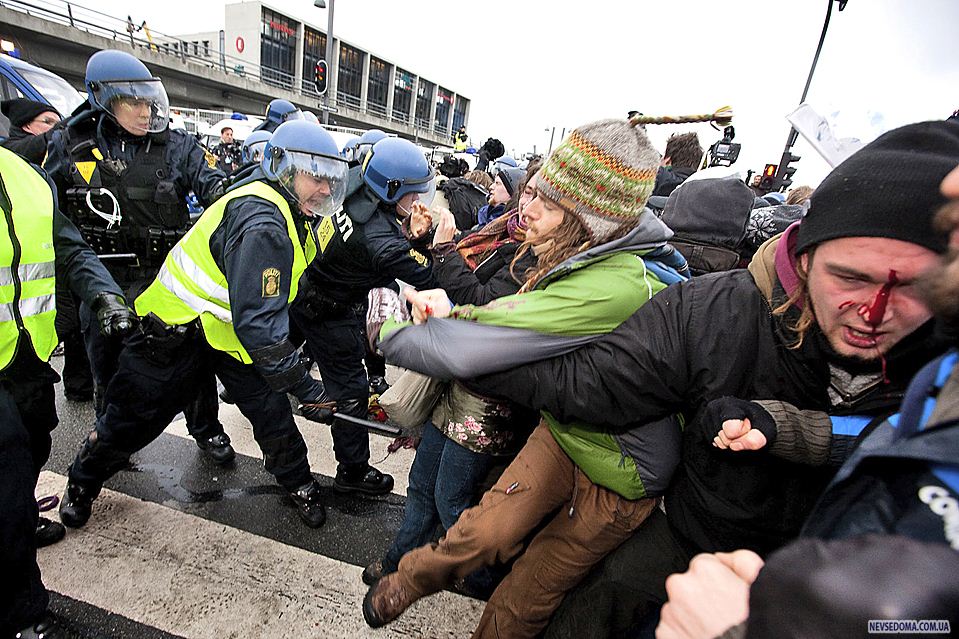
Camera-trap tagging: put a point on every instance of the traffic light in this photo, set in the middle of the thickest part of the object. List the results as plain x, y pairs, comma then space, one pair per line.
768, 181
786, 171
319, 79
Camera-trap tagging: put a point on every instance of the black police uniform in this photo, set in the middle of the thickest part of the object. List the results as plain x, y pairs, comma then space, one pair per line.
362, 247
159, 368
150, 177
27, 416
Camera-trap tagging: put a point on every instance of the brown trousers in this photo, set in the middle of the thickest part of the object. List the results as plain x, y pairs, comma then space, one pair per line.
590, 523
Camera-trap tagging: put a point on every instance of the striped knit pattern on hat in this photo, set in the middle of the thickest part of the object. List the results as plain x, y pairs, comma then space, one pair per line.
603, 173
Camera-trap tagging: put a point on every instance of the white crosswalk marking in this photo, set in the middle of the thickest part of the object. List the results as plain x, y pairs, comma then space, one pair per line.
196, 578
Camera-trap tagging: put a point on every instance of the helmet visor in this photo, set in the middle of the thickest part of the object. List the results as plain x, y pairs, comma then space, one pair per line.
316, 182
140, 106
424, 187
254, 151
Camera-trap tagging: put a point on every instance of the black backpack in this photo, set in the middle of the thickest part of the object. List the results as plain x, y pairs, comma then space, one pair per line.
709, 218
465, 199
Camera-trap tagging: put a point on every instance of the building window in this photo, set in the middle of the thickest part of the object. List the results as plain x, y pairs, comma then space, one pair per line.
459, 112
349, 76
314, 50
277, 49
378, 89
424, 100
444, 105
402, 95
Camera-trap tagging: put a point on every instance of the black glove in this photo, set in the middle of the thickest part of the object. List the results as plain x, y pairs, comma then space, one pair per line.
315, 404
719, 410
116, 319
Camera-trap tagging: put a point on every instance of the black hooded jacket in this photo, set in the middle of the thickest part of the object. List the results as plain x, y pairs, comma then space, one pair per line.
697, 341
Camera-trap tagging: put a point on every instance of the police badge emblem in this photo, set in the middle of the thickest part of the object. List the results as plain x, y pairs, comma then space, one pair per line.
271, 282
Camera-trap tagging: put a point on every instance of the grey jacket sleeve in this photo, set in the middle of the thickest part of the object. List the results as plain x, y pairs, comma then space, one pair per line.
458, 349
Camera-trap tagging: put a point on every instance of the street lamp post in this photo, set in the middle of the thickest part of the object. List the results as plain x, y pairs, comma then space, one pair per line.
321, 4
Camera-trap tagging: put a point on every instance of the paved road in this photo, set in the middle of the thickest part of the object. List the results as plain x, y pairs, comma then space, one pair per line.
179, 547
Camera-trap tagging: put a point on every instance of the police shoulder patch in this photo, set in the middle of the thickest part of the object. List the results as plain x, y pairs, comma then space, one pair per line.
210, 158
271, 282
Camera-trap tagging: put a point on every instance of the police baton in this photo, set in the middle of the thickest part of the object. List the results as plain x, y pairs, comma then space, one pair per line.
376, 428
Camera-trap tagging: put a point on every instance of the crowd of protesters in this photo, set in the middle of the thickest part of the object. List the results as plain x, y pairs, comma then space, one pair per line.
713, 413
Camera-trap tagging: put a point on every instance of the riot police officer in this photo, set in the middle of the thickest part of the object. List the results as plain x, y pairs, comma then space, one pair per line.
221, 302
279, 111
364, 144
363, 246
39, 247
122, 176
253, 147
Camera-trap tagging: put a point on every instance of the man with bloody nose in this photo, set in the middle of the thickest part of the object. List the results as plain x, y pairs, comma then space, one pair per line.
786, 363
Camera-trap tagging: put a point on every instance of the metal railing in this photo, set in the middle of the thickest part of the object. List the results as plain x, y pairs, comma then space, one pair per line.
141, 36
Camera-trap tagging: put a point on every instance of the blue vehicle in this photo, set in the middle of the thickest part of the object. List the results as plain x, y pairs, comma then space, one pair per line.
19, 79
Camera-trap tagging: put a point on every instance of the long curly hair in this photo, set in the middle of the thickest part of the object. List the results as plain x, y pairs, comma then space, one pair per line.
800, 298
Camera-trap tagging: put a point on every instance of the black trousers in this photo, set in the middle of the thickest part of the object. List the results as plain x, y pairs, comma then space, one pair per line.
337, 343
27, 416
158, 375
104, 354
619, 594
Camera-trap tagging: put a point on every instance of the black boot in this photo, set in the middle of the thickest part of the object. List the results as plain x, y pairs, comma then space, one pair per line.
378, 385
77, 504
46, 628
365, 479
49, 532
217, 448
306, 498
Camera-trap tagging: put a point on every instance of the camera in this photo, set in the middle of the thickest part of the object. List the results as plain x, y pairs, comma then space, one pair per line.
725, 152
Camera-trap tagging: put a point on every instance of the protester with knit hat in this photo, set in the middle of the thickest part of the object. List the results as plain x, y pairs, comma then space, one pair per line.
601, 256
805, 349
503, 195
30, 126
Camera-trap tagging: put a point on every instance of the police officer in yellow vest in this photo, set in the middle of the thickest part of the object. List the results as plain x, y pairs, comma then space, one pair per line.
122, 176
220, 302
38, 246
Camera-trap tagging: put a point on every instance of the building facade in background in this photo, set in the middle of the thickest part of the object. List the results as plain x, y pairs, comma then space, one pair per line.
285, 51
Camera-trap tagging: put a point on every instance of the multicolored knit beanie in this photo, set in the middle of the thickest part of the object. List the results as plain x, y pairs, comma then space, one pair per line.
603, 173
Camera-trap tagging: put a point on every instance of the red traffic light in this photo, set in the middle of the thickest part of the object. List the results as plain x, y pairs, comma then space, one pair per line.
319, 79
770, 170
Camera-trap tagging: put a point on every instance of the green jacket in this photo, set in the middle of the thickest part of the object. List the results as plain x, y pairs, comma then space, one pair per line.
578, 301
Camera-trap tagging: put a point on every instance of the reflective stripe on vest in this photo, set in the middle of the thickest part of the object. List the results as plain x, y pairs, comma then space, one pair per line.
191, 285
27, 260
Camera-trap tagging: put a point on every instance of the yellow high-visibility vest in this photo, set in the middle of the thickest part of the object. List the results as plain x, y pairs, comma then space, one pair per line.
191, 285
28, 305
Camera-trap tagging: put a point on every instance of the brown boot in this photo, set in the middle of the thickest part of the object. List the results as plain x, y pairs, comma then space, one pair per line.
386, 600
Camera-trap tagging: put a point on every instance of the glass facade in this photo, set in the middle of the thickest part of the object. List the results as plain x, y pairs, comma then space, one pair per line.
424, 100
402, 95
459, 112
314, 50
444, 105
377, 91
349, 76
277, 49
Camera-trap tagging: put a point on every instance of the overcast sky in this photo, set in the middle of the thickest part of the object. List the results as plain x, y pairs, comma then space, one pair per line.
530, 65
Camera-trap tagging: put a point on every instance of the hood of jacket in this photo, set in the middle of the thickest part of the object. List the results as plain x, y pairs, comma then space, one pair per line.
649, 234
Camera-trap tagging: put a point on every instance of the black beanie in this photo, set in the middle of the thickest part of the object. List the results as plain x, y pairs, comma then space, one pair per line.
22, 111
889, 188
511, 176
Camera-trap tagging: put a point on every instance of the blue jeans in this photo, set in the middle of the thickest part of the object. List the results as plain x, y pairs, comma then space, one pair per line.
443, 480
